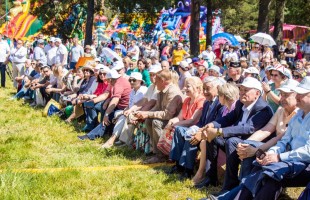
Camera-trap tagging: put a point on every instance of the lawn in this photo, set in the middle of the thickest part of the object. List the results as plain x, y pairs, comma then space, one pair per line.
41, 158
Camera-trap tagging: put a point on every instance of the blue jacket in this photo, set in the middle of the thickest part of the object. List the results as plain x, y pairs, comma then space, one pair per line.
214, 113
259, 116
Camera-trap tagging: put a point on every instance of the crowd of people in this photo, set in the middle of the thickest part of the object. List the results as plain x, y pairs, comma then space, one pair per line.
252, 102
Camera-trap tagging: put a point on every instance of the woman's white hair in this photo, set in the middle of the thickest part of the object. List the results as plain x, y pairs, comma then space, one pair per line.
214, 80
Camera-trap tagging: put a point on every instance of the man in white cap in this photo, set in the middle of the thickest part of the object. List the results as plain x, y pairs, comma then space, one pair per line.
38, 52
4, 56
297, 138
119, 90
136, 94
184, 73
50, 51
251, 113
61, 53
18, 57
76, 52
120, 68
251, 72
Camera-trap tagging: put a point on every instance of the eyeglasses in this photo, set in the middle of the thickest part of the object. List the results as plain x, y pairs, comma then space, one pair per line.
132, 80
274, 75
33, 63
102, 74
296, 77
86, 70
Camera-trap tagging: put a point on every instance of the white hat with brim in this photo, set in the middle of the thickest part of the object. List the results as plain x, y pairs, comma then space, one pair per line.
183, 64
251, 70
57, 40
136, 75
251, 82
118, 65
303, 87
288, 86
52, 39
97, 60
216, 69
113, 74
155, 68
102, 68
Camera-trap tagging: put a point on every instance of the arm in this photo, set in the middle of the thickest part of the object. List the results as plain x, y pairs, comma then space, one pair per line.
189, 122
260, 135
101, 97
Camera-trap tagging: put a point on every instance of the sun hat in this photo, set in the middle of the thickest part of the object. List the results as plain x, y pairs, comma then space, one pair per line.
52, 39
136, 75
118, 65
183, 64
283, 62
117, 39
251, 82
117, 47
102, 68
269, 68
155, 68
113, 74
97, 60
180, 45
243, 59
57, 40
189, 60
88, 66
302, 72
216, 69
280, 68
303, 87
251, 70
288, 86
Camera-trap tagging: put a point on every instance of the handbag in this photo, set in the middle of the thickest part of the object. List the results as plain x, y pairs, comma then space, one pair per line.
52, 107
165, 142
142, 139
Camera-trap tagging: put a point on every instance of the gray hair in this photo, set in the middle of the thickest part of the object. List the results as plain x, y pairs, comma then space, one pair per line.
214, 80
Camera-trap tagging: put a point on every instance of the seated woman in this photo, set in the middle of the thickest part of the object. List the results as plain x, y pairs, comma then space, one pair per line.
88, 86
57, 86
136, 94
228, 95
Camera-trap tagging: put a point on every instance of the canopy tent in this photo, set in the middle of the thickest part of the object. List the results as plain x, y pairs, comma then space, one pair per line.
295, 32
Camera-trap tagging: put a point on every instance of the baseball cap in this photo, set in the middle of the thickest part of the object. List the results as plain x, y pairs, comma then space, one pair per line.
234, 64
57, 40
183, 64
195, 59
102, 68
113, 74
52, 39
180, 45
251, 70
118, 65
40, 41
288, 86
117, 47
243, 59
117, 39
136, 75
189, 60
155, 68
251, 82
303, 87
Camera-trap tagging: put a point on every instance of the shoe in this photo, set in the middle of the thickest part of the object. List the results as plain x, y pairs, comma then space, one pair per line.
33, 104
154, 159
187, 174
118, 143
205, 183
26, 98
83, 137
176, 169
86, 129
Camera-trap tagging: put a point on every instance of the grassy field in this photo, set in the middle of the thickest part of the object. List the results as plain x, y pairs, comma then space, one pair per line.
41, 158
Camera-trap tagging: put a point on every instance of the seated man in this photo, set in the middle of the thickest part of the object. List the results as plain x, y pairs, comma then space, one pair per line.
251, 114
168, 105
119, 89
297, 138
183, 150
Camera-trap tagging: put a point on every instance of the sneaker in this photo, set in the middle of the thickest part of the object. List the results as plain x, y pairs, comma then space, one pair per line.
33, 104
83, 137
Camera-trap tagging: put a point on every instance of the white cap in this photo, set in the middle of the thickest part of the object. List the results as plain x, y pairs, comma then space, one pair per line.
57, 40
215, 68
118, 65
251, 82
180, 45
303, 87
136, 75
97, 60
183, 64
113, 74
251, 70
102, 68
189, 60
52, 39
155, 68
204, 55
288, 86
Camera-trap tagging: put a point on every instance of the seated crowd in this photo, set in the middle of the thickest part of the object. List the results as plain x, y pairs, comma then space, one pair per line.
259, 117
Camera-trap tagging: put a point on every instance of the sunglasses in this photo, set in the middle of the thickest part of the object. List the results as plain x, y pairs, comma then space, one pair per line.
86, 70
132, 80
102, 74
274, 75
296, 77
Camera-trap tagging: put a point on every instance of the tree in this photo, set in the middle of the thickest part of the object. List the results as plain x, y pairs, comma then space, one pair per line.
89, 21
263, 19
278, 21
194, 28
209, 22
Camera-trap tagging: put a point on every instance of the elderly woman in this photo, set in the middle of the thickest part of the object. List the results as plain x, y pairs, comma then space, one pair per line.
145, 73
272, 95
178, 55
251, 72
228, 94
136, 94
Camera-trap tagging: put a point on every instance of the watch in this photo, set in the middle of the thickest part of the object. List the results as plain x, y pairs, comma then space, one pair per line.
218, 133
107, 115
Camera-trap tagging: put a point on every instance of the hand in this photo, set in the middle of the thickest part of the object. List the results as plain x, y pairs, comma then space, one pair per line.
141, 115
106, 121
204, 135
245, 151
196, 138
211, 133
265, 86
49, 90
127, 112
169, 126
269, 158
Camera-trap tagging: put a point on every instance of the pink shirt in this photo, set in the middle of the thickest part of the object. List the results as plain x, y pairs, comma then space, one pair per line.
121, 90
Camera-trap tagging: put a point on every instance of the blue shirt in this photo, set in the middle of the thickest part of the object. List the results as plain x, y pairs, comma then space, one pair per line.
297, 136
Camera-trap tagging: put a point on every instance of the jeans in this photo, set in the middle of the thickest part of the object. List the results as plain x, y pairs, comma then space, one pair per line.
72, 65
17, 71
3, 70
92, 115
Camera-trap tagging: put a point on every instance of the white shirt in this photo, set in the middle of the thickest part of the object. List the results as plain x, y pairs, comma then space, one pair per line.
19, 55
136, 50
307, 49
208, 55
4, 50
50, 54
246, 112
232, 55
39, 55
76, 53
136, 96
151, 93
60, 54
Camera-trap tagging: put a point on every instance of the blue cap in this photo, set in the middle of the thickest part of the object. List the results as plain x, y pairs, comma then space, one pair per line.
195, 59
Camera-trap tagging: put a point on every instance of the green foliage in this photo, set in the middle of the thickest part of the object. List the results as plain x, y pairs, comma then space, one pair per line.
297, 12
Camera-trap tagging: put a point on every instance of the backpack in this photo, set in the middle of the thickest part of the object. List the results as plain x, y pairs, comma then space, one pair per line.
305, 195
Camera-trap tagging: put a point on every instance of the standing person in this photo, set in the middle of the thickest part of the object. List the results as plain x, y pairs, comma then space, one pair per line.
290, 54
243, 52
306, 50
165, 53
38, 52
133, 51
208, 54
184, 73
255, 53
267, 54
61, 53
178, 55
4, 55
18, 58
50, 51
76, 52
230, 54
145, 73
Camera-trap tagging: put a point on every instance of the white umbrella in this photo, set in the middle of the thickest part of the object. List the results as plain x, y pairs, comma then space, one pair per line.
109, 53
239, 38
263, 39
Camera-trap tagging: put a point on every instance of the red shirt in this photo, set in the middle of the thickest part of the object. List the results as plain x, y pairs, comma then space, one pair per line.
101, 88
189, 110
121, 90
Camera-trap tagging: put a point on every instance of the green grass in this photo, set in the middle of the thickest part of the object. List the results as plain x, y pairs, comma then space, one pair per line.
30, 141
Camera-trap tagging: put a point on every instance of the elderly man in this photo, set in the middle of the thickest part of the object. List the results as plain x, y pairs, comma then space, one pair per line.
18, 58
168, 105
38, 52
61, 53
50, 51
4, 55
250, 114
185, 141
235, 73
119, 90
297, 138
165, 64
